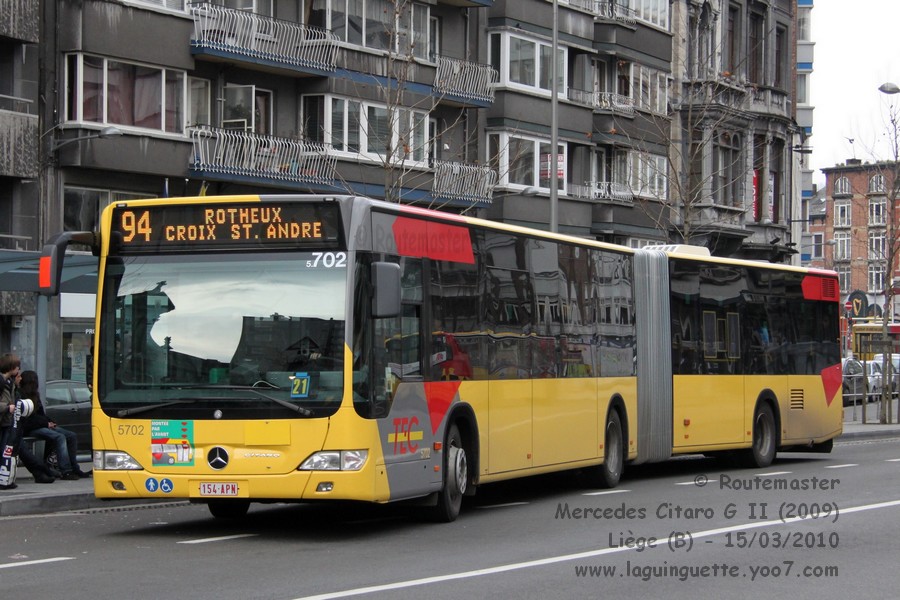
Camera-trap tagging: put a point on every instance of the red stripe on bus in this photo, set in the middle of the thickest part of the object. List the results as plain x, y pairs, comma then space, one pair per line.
439, 395
44, 266
427, 239
832, 379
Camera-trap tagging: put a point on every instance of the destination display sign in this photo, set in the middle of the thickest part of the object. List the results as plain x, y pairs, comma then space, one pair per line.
169, 227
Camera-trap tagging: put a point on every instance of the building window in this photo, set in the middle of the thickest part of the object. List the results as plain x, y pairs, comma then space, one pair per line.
802, 88
803, 24
727, 170
876, 277
649, 175
366, 129
199, 98
732, 55
877, 211
843, 272
100, 90
524, 162
842, 186
782, 57
177, 5
876, 184
650, 89
525, 63
876, 245
756, 48
841, 245
378, 24
818, 241
654, 12
842, 214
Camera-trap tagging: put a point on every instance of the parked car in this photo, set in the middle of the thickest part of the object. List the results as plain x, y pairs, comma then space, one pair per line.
861, 380
895, 370
68, 403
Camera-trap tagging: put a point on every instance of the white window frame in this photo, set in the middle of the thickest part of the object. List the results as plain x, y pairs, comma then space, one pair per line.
877, 208
104, 118
842, 185
504, 140
877, 244
841, 245
416, 119
876, 184
537, 75
876, 276
842, 211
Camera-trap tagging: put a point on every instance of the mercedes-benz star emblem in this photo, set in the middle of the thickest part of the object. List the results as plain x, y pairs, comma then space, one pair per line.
217, 458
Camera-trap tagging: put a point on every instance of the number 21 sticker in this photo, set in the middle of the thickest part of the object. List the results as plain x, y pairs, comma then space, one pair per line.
300, 385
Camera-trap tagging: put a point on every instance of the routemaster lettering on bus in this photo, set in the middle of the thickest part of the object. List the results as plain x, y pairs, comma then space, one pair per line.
201, 226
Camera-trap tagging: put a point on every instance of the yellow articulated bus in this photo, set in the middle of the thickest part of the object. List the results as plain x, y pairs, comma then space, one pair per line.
315, 348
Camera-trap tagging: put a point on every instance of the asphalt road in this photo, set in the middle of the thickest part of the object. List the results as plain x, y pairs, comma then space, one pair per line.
688, 528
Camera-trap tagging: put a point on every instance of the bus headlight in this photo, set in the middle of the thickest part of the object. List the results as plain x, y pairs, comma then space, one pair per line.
115, 460
334, 460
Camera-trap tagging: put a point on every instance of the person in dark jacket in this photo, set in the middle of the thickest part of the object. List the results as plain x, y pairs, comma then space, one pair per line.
37, 424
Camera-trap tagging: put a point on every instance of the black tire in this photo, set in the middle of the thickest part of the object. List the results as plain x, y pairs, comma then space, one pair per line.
762, 452
228, 509
456, 478
609, 473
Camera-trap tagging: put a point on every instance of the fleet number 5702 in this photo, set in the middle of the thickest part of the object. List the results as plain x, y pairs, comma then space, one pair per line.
329, 260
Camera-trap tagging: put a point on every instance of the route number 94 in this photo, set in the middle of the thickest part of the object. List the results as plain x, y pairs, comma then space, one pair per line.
328, 260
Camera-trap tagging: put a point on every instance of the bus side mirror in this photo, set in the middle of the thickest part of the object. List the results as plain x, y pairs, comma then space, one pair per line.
386, 283
53, 255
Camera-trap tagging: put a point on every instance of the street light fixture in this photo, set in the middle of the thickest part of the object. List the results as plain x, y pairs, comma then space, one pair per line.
889, 88
103, 133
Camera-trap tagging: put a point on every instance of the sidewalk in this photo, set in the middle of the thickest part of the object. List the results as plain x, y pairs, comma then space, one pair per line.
32, 498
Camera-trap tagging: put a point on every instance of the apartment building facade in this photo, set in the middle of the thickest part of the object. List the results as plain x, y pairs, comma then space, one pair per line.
674, 120
861, 218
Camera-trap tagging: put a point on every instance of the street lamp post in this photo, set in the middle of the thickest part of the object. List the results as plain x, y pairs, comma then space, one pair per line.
554, 125
890, 250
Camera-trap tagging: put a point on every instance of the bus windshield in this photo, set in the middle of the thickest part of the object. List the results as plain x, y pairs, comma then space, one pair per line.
223, 336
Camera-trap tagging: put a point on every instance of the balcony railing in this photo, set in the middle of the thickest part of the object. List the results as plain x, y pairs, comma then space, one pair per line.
458, 181
255, 36
603, 101
466, 79
241, 153
607, 191
612, 10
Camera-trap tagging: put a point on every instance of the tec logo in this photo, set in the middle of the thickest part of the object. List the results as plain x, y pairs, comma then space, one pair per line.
404, 435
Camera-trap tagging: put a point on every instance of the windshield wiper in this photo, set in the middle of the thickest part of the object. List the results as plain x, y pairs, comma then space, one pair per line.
139, 409
298, 409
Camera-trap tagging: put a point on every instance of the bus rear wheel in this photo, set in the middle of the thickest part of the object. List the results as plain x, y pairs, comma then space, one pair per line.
228, 509
609, 473
456, 478
762, 452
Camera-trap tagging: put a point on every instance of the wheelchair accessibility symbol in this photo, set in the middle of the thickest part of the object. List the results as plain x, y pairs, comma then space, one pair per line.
166, 486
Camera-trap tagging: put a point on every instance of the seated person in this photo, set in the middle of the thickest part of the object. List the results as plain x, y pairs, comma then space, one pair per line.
37, 424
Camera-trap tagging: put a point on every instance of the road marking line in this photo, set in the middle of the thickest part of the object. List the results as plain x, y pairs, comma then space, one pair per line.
604, 493
541, 562
842, 466
892, 460
694, 482
773, 473
28, 563
218, 539
505, 505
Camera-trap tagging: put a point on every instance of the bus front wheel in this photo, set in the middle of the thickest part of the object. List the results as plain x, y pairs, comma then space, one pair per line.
762, 452
456, 478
